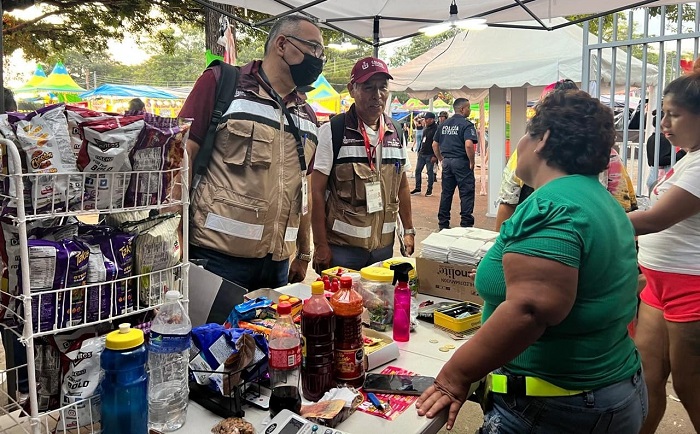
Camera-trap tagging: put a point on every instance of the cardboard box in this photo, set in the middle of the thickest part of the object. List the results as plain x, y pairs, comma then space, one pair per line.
449, 281
380, 353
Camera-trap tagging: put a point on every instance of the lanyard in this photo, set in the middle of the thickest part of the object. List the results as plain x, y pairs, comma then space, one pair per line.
372, 150
292, 125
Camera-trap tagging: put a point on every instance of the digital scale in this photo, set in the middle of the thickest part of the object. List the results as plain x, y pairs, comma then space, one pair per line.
286, 422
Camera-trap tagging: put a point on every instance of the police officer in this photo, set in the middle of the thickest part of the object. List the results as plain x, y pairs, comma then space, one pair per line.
454, 146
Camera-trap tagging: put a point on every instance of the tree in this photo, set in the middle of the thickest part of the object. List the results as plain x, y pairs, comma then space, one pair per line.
87, 25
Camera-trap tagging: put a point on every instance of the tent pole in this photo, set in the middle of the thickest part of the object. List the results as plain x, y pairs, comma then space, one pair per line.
375, 37
497, 146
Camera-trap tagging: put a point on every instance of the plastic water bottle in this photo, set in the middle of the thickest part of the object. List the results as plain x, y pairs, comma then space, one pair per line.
284, 362
124, 384
168, 357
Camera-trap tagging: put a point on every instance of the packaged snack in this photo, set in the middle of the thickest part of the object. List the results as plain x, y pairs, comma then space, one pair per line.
8, 184
111, 258
47, 361
80, 383
57, 265
157, 247
43, 138
159, 149
75, 116
105, 151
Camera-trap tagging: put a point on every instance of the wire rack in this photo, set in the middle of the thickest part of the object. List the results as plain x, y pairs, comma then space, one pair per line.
32, 198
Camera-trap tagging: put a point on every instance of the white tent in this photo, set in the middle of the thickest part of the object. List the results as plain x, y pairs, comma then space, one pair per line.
396, 19
474, 61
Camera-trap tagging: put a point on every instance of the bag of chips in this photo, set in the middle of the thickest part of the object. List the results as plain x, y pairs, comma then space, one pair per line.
105, 151
75, 116
159, 149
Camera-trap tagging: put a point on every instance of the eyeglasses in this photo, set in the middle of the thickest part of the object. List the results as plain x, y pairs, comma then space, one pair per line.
317, 49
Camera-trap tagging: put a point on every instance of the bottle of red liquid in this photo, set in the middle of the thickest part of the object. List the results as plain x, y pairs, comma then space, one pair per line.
317, 330
284, 362
349, 347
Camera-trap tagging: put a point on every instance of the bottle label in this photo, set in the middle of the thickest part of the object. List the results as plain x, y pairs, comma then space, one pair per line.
164, 343
303, 351
349, 363
285, 358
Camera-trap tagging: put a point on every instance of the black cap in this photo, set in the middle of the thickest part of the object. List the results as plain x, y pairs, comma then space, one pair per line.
401, 272
429, 115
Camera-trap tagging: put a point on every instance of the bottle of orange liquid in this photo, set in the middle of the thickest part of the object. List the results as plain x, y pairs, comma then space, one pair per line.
349, 347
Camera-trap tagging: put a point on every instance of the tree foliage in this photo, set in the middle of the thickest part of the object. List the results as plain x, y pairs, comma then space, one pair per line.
87, 25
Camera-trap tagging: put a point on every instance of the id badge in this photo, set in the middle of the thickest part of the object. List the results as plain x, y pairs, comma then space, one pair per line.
373, 193
304, 195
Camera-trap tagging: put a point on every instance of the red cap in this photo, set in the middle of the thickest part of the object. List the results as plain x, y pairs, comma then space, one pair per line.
365, 68
284, 308
346, 282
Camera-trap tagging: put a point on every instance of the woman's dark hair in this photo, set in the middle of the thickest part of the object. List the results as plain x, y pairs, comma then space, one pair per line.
686, 90
581, 132
565, 84
136, 105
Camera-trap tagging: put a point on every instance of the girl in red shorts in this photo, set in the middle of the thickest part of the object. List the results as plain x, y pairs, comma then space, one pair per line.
668, 331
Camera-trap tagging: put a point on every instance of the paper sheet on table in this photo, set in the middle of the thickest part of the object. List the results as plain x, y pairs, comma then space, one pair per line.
394, 405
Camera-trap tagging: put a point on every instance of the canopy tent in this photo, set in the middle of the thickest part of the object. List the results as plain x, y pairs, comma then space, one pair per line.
37, 78
390, 20
414, 104
128, 91
59, 81
440, 104
324, 95
508, 58
321, 110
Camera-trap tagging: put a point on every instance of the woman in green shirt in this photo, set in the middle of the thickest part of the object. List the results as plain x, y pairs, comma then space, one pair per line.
559, 289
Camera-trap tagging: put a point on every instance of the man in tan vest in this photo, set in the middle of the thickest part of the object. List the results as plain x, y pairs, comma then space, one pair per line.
359, 184
250, 211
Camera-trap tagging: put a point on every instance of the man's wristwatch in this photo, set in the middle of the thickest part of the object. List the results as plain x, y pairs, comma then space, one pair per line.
304, 256
410, 231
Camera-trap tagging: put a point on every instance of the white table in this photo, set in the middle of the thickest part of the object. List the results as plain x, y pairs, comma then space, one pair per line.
417, 355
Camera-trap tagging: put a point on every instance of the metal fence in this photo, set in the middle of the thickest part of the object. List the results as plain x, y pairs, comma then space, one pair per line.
647, 48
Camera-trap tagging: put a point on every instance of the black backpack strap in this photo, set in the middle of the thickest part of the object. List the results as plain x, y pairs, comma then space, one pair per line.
225, 93
337, 133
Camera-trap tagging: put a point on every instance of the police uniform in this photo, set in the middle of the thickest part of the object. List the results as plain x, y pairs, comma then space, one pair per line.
456, 171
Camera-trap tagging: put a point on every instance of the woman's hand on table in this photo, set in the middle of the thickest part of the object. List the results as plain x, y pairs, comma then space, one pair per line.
448, 391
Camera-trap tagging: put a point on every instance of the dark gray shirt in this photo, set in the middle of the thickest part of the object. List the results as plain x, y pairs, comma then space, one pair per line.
452, 134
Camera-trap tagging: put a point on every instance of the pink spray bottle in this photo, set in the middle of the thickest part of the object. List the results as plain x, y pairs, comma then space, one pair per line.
402, 302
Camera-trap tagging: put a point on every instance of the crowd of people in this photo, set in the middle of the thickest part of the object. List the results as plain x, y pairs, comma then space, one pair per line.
559, 285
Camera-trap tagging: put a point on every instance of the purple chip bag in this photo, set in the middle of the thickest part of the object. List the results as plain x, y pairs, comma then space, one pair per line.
111, 258
57, 265
159, 149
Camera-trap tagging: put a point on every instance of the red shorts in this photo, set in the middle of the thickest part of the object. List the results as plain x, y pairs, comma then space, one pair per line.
677, 295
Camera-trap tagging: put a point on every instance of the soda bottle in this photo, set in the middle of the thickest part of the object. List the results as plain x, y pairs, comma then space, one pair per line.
349, 347
124, 384
284, 362
168, 359
317, 330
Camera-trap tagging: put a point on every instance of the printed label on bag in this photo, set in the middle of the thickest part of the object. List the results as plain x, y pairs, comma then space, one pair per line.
348, 363
285, 358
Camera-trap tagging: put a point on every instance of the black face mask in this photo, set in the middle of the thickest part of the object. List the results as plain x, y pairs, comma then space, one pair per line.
306, 72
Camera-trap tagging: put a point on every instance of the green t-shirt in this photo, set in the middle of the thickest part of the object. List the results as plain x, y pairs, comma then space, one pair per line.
575, 221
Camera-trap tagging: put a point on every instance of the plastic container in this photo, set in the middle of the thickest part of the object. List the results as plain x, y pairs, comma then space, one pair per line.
402, 302
349, 345
413, 282
284, 362
317, 334
124, 384
168, 359
378, 294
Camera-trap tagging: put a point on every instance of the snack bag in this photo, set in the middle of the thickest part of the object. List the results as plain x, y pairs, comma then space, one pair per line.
156, 248
43, 138
75, 116
8, 184
105, 151
159, 149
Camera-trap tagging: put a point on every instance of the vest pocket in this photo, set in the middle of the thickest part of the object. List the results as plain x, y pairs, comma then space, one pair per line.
292, 229
391, 212
247, 143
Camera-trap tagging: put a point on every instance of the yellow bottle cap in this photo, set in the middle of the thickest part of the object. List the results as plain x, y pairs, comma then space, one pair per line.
283, 298
377, 274
125, 338
317, 288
